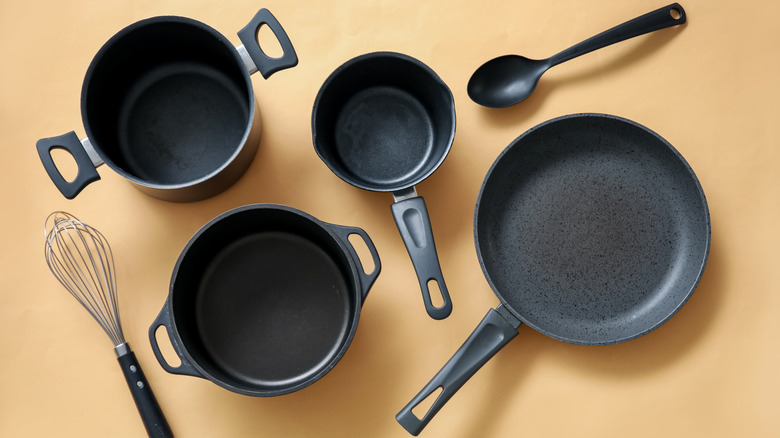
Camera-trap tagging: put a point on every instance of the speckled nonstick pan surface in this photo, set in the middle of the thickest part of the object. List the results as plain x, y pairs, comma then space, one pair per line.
591, 229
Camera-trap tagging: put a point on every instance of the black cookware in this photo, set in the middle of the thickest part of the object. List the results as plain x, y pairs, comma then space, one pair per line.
264, 300
590, 229
384, 122
510, 79
168, 104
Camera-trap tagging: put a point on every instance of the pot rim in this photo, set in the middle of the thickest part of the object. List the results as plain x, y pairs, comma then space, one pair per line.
345, 341
435, 79
238, 63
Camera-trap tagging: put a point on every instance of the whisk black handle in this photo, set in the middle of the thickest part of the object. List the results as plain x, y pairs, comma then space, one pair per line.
151, 414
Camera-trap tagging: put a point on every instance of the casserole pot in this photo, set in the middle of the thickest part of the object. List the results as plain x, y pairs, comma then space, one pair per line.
264, 300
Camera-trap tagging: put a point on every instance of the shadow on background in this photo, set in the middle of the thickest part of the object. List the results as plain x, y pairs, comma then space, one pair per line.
362, 382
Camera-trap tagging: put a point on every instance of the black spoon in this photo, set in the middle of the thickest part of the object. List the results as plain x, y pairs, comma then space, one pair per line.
507, 80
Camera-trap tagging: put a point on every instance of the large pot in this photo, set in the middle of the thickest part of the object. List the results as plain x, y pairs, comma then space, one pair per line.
264, 300
168, 104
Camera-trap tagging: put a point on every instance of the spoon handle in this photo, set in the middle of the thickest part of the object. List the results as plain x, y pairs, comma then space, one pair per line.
650, 22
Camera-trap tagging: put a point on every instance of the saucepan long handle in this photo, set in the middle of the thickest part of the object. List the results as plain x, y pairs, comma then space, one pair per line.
414, 224
488, 338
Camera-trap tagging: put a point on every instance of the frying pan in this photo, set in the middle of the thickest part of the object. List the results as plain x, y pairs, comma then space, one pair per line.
384, 122
590, 229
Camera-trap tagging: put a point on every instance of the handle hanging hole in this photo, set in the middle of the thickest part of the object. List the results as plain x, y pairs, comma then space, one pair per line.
65, 163
269, 43
437, 299
675, 13
420, 410
366, 261
166, 348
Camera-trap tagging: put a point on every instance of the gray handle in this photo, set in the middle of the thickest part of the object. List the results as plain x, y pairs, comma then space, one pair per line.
411, 217
366, 279
164, 320
650, 22
494, 332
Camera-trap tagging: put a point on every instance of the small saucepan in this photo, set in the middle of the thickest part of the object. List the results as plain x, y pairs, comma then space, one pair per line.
168, 104
264, 300
384, 122
591, 229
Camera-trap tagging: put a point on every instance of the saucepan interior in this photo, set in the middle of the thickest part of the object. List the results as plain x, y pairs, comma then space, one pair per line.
383, 121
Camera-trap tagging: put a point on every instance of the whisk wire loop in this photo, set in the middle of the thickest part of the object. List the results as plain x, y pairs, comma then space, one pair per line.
81, 259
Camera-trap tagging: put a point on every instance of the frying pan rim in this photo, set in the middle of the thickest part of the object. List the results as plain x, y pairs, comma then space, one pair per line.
218, 36
406, 183
658, 140
345, 341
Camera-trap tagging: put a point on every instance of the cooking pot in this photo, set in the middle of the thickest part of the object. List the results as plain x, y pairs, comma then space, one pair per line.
168, 104
264, 300
384, 122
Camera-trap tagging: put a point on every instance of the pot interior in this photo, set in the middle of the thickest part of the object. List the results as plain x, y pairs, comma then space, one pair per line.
383, 121
167, 102
265, 301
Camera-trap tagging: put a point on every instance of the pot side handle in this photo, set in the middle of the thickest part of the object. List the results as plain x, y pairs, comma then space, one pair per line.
494, 332
87, 169
414, 224
164, 320
265, 64
366, 279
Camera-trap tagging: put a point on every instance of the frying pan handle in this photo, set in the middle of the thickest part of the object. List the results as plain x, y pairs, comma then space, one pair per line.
262, 62
411, 217
491, 335
366, 279
87, 168
164, 320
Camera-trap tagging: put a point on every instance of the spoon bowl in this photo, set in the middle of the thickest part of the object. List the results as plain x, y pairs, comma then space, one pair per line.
509, 79
506, 80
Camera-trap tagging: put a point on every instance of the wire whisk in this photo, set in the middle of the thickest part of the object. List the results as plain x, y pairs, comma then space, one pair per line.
80, 258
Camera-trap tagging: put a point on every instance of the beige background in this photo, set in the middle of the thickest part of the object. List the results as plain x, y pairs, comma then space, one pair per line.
709, 87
